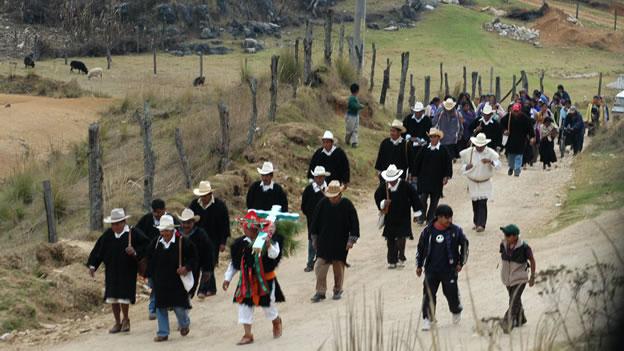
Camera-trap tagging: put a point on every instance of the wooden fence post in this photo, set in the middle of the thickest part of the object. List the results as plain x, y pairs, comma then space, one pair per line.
446, 85
96, 178
577, 9
273, 89
186, 168
386, 83
148, 158
341, 41
109, 59
474, 76
401, 97
513, 86
412, 92
253, 86
498, 88
328, 36
441, 76
201, 63
615, 14
372, 74
297, 51
465, 86
224, 118
480, 87
525, 82
427, 90
48, 200
491, 79
541, 80
600, 84
154, 54
307, 54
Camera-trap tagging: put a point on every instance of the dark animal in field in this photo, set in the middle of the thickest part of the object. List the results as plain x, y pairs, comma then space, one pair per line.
78, 65
29, 62
199, 81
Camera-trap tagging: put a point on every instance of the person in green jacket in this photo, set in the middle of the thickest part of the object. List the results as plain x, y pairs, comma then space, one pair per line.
352, 119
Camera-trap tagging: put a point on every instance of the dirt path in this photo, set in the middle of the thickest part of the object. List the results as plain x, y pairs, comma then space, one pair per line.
36, 125
584, 13
528, 201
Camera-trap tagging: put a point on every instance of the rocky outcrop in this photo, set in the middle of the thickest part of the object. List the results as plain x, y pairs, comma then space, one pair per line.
513, 31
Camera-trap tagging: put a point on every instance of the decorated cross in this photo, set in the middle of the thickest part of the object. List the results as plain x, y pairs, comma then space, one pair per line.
272, 216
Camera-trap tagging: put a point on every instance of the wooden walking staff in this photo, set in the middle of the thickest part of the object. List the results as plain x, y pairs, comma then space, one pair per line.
187, 280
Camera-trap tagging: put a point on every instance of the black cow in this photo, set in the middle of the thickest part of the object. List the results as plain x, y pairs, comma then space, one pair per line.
78, 65
29, 62
199, 81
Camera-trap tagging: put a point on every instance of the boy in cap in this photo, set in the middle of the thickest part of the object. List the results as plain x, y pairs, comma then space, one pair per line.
517, 258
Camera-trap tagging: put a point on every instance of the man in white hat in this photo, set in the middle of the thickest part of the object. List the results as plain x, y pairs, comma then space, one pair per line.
332, 158
205, 252
214, 219
417, 125
119, 248
451, 123
479, 163
433, 168
397, 199
488, 126
265, 193
312, 194
171, 258
394, 150
335, 229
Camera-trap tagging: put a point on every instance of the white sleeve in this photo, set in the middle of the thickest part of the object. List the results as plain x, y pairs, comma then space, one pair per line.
273, 251
417, 214
230, 272
382, 204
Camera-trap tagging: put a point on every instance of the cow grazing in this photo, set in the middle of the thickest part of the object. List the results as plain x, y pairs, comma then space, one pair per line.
29, 62
199, 81
97, 71
78, 65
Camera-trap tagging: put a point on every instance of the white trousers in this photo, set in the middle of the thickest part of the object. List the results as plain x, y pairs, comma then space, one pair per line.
245, 313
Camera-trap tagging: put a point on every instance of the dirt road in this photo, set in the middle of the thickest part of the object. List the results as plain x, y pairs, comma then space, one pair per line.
597, 16
33, 125
528, 201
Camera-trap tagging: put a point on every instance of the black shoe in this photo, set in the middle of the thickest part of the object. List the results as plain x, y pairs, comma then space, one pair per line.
509, 172
308, 269
337, 295
317, 298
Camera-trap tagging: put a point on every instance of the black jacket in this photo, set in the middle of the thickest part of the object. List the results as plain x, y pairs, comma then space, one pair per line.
520, 133
456, 247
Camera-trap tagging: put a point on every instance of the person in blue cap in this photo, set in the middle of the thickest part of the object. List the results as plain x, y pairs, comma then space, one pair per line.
517, 258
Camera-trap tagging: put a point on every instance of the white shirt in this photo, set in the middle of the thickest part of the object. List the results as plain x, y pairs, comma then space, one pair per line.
167, 244
318, 188
267, 187
125, 230
418, 120
491, 120
201, 204
397, 142
273, 251
328, 153
437, 147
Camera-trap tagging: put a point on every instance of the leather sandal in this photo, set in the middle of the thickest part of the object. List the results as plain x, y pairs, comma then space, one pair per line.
277, 327
115, 329
246, 340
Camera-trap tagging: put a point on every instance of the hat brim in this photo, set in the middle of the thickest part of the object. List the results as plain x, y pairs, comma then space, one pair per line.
166, 227
401, 128
418, 110
474, 142
109, 220
197, 192
449, 107
385, 176
325, 174
263, 172
332, 139
438, 134
334, 194
182, 219
507, 233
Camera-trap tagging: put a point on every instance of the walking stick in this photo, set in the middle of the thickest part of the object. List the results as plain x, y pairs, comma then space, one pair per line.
407, 161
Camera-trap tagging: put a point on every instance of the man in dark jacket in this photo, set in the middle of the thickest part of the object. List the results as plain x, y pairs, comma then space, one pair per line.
517, 127
214, 219
171, 258
119, 248
335, 229
417, 126
488, 126
312, 195
265, 193
434, 168
205, 251
442, 251
397, 199
332, 158
394, 150
574, 130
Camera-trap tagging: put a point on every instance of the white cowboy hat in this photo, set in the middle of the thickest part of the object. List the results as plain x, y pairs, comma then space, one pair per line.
436, 131
334, 189
166, 223
480, 140
320, 171
396, 124
204, 188
117, 215
449, 104
328, 136
487, 109
418, 107
392, 173
267, 168
187, 215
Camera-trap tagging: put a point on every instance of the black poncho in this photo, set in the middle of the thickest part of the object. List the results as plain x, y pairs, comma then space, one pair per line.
492, 131
390, 154
309, 200
205, 254
520, 133
398, 221
257, 199
146, 225
431, 166
337, 164
417, 129
121, 269
214, 220
333, 225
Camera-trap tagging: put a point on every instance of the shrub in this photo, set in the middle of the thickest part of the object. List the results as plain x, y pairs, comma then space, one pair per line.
346, 72
289, 70
21, 187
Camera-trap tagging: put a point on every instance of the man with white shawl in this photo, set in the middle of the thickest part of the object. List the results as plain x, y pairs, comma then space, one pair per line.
479, 163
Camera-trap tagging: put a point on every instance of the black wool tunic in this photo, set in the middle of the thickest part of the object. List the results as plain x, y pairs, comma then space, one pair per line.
417, 129
333, 225
520, 133
205, 254
146, 225
337, 164
121, 269
431, 166
398, 221
257, 199
309, 200
390, 154
491, 130
162, 267
214, 220
242, 249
